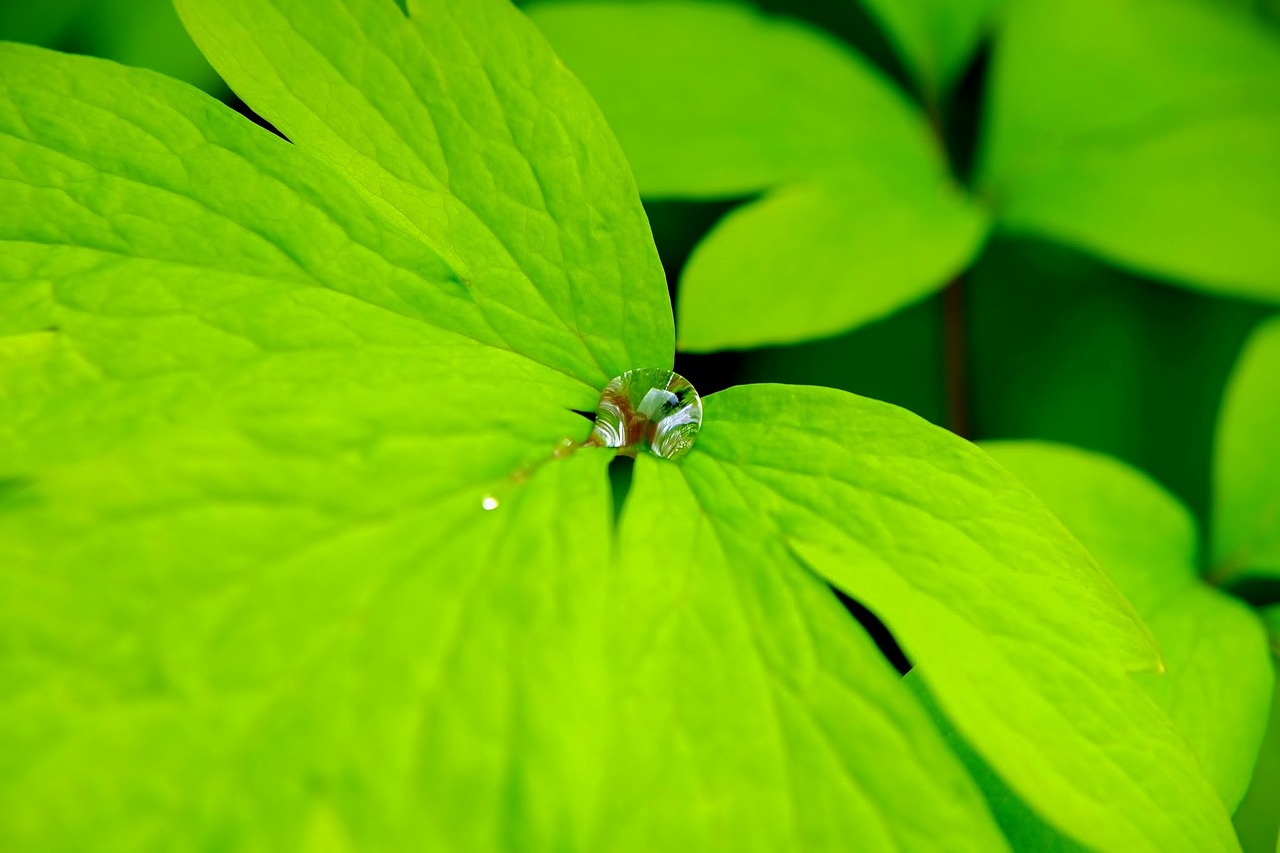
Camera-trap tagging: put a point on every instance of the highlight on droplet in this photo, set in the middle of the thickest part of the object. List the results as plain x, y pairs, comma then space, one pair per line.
489, 503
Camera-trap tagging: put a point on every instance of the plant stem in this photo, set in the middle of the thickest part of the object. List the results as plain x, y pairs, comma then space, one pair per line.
955, 357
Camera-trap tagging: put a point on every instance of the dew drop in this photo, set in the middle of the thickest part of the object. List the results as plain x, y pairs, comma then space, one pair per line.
650, 408
489, 503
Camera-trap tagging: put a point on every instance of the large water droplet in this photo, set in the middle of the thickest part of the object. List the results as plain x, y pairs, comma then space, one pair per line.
650, 408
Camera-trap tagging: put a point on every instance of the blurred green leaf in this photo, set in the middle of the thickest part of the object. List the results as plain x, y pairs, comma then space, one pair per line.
814, 259
1258, 818
746, 664
715, 99
1217, 682
937, 37
1246, 540
142, 33
1011, 625
711, 100
439, 155
1147, 131
148, 34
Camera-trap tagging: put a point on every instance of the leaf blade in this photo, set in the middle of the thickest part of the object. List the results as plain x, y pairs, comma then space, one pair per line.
460, 124
1246, 512
1218, 673
815, 259
837, 475
1118, 126
810, 701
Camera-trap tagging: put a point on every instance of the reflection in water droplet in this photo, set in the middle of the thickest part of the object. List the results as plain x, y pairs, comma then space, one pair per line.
652, 408
489, 502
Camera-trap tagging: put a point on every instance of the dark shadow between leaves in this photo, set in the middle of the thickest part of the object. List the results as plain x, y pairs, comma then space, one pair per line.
879, 632
621, 472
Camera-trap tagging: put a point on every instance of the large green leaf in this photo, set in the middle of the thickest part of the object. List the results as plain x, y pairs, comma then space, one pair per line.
715, 100
231, 640
1246, 534
1258, 819
248, 422
459, 124
937, 37
1147, 131
745, 663
1012, 627
1217, 681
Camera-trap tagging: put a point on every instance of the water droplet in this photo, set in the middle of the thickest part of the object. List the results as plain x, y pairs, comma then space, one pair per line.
489, 502
650, 408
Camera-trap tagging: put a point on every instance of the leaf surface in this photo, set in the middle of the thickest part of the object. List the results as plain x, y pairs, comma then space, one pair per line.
712, 100
816, 258
1012, 626
784, 726
1146, 131
715, 100
183, 254
461, 125
248, 423
1258, 820
213, 638
1246, 534
1217, 681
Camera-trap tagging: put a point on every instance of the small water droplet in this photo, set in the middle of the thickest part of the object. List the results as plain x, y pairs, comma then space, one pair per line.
651, 408
489, 502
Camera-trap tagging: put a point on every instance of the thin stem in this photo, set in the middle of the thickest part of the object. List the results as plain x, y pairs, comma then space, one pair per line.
955, 357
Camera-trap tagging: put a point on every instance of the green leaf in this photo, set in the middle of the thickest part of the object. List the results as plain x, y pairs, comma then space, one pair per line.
460, 125
181, 246
714, 100
747, 665
1024, 829
207, 644
1146, 131
1258, 820
1218, 679
1012, 626
1246, 534
937, 37
816, 258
